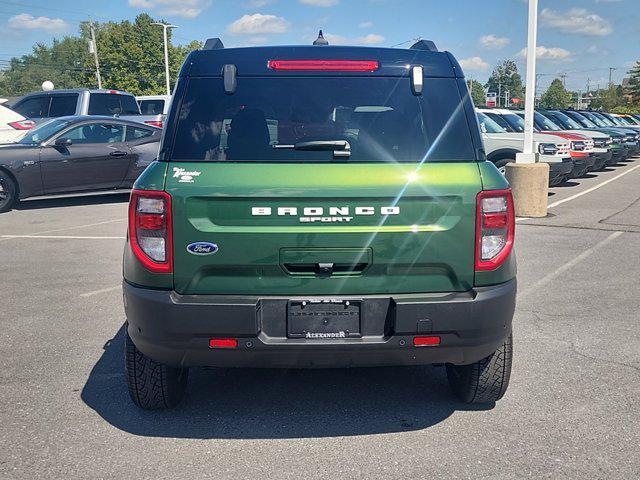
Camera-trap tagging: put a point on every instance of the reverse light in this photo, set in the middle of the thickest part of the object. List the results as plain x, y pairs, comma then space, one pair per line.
22, 124
495, 228
323, 65
150, 229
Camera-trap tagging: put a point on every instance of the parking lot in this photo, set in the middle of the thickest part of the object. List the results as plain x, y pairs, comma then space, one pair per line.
571, 410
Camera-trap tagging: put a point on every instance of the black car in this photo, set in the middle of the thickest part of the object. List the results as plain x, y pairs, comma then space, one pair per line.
76, 154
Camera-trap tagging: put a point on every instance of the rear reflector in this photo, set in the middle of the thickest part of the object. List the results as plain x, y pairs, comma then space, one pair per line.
154, 123
430, 341
23, 125
322, 65
223, 343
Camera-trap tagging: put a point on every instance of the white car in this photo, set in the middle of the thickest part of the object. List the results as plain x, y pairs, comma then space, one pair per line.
154, 105
12, 125
502, 146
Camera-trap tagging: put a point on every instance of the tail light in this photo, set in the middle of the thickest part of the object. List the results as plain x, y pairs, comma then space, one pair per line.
150, 233
23, 124
495, 228
325, 65
154, 123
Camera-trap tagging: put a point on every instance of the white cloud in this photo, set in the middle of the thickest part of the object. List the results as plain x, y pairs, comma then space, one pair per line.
492, 42
29, 22
173, 8
474, 63
576, 21
258, 24
366, 25
320, 3
544, 53
371, 39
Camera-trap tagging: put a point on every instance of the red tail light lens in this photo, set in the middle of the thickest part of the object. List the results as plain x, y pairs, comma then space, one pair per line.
429, 341
154, 123
495, 228
23, 125
321, 65
223, 343
150, 234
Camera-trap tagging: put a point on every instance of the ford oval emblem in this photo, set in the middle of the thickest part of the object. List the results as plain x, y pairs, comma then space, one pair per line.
202, 248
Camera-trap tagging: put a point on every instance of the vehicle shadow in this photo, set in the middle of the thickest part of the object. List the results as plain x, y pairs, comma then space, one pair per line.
276, 404
58, 202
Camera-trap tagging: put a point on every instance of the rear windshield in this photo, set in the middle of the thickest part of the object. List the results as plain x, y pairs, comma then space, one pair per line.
267, 119
112, 104
152, 107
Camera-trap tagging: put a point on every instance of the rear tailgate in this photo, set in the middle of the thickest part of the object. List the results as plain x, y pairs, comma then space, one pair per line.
367, 228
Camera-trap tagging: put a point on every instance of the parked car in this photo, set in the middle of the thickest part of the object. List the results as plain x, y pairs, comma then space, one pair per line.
618, 150
596, 121
502, 145
154, 106
40, 106
363, 230
583, 150
75, 154
12, 124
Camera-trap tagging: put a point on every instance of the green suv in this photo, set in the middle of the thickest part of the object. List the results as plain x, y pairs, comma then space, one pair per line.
319, 206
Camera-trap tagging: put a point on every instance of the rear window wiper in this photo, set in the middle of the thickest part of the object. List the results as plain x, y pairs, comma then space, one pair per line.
340, 148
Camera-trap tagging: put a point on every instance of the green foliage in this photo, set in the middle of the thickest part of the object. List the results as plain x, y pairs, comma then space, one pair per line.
556, 96
131, 58
507, 76
633, 89
609, 99
478, 94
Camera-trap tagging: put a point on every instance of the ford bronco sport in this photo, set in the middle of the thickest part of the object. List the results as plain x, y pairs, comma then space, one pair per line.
319, 206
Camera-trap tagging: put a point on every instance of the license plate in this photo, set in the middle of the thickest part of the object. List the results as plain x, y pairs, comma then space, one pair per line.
325, 319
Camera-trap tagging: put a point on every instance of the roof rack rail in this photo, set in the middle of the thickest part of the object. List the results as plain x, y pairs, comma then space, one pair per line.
424, 45
213, 44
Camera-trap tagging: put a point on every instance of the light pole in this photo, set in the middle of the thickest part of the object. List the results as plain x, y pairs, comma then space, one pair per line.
529, 105
529, 179
166, 26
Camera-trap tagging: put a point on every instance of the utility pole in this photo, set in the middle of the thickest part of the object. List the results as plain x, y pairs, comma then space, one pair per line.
93, 48
611, 70
563, 77
166, 26
529, 105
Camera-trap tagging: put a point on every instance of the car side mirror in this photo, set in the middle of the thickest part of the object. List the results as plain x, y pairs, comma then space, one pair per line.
63, 142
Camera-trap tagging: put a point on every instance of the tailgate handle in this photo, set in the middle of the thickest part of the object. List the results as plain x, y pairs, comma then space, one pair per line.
325, 269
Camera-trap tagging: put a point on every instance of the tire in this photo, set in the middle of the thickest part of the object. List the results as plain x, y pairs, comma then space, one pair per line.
8, 192
485, 381
152, 385
501, 164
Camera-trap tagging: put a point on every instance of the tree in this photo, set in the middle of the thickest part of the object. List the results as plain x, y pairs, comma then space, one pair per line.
506, 78
131, 58
556, 96
633, 89
478, 94
609, 99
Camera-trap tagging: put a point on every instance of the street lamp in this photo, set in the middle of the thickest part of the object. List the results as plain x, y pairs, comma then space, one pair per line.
165, 27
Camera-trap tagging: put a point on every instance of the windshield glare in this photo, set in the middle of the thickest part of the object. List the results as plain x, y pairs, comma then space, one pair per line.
44, 131
379, 117
594, 119
584, 121
605, 120
489, 126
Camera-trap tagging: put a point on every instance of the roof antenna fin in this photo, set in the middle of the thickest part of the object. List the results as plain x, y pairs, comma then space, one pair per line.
320, 40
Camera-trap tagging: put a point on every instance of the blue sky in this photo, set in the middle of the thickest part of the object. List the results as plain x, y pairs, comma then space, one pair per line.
581, 38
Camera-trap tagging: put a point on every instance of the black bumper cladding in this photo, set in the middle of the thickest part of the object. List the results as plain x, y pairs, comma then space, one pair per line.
175, 329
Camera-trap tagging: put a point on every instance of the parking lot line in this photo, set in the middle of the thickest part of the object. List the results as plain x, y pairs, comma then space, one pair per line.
595, 187
98, 292
570, 264
62, 237
75, 227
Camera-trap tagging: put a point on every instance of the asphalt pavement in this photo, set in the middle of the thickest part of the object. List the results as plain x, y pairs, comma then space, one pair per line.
572, 410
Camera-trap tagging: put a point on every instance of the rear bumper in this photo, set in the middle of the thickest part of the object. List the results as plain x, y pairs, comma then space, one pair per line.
175, 329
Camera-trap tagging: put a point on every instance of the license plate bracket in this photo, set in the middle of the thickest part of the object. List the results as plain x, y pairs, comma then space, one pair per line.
323, 319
